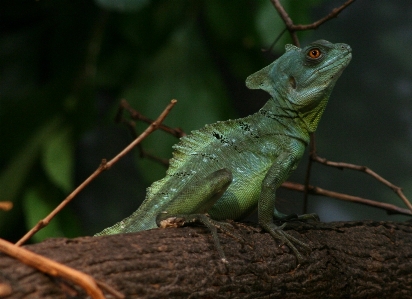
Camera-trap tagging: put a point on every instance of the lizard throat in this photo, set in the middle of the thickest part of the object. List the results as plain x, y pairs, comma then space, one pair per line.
312, 117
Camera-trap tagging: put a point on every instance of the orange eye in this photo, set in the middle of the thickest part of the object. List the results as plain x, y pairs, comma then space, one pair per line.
314, 53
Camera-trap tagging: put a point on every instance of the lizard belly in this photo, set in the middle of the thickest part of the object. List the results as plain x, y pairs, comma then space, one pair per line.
241, 198
249, 170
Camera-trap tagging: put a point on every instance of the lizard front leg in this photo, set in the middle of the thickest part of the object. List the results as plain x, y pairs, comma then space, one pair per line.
192, 203
276, 175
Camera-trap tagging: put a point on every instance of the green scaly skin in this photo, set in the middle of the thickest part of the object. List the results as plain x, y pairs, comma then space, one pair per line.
227, 169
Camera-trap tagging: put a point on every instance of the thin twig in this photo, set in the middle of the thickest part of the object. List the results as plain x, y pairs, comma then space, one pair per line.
136, 115
152, 127
103, 166
131, 125
333, 14
312, 151
6, 205
367, 170
292, 28
52, 268
145, 154
275, 41
287, 20
390, 208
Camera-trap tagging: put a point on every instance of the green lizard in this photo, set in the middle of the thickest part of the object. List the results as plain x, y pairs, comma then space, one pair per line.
228, 169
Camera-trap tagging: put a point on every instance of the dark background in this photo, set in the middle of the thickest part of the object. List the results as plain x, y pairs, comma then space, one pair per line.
64, 66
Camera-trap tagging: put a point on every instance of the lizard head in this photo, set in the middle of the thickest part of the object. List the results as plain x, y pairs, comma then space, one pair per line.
302, 79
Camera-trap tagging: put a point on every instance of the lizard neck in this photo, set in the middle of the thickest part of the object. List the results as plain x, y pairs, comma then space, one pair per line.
285, 120
311, 115
306, 116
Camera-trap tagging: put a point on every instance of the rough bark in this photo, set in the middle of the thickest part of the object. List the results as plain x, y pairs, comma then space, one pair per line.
348, 260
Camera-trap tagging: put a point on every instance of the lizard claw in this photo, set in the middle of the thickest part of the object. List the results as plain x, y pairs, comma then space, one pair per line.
277, 233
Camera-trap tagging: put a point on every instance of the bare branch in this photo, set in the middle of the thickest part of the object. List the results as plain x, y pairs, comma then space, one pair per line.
366, 170
6, 205
131, 125
275, 41
53, 268
341, 196
136, 115
145, 154
287, 20
312, 151
292, 28
334, 14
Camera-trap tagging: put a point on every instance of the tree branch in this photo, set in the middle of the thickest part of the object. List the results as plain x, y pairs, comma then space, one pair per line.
367, 170
347, 259
309, 189
292, 28
53, 268
6, 205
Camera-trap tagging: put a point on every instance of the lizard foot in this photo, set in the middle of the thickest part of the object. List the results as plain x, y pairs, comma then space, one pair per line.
212, 225
278, 233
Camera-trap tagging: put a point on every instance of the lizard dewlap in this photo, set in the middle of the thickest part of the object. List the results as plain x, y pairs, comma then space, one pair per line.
227, 169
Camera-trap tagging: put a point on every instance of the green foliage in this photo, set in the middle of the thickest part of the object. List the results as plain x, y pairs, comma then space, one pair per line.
13, 178
35, 205
58, 159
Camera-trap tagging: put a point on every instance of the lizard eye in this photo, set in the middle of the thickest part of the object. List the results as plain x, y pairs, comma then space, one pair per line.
314, 53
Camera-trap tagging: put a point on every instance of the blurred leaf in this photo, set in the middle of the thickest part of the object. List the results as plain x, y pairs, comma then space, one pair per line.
12, 178
122, 5
36, 208
15, 173
58, 159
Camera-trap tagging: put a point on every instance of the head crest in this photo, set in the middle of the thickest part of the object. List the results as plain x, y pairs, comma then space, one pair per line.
263, 79
290, 47
260, 79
